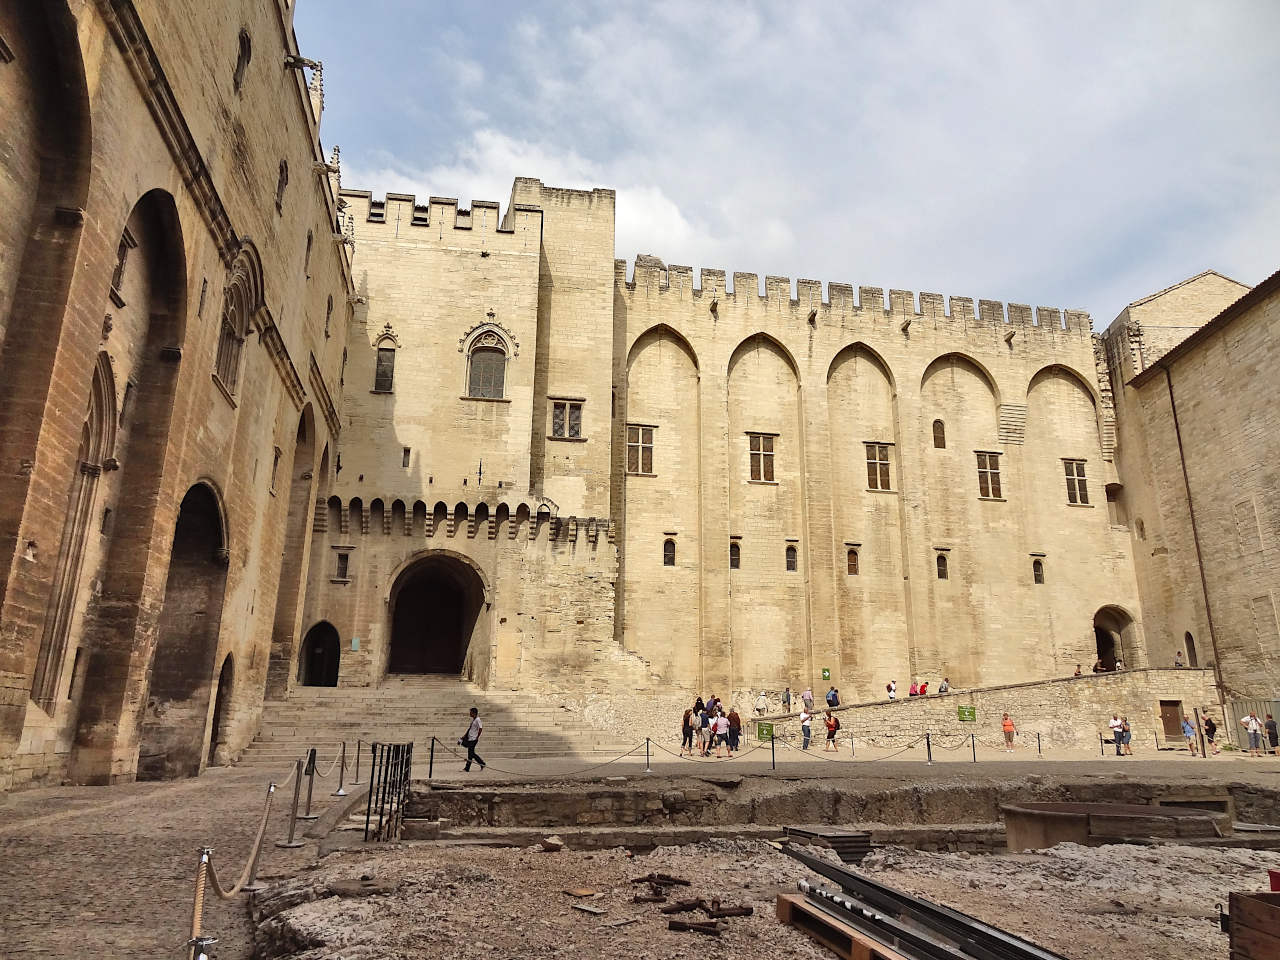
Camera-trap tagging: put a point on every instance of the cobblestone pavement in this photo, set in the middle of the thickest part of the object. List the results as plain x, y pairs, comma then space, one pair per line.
108, 871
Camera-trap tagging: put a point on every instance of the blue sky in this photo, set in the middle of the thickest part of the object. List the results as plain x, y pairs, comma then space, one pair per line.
1068, 155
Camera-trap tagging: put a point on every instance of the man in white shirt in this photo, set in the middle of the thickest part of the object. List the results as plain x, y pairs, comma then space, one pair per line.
721, 727
806, 728
1253, 726
469, 741
1116, 726
891, 688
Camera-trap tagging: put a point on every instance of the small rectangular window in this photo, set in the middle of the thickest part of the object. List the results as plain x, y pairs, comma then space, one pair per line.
761, 445
404, 457
639, 449
384, 377
878, 466
989, 476
343, 561
566, 419
1077, 486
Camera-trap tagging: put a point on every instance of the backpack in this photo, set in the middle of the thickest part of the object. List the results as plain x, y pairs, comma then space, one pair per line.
837, 720
888, 688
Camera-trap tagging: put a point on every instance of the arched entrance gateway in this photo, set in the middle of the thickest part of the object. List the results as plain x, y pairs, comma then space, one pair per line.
318, 665
1113, 633
439, 617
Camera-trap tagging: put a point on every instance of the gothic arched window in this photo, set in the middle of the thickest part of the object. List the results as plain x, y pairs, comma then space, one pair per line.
735, 556
1037, 571
241, 300
793, 559
853, 562
669, 553
939, 435
487, 367
943, 572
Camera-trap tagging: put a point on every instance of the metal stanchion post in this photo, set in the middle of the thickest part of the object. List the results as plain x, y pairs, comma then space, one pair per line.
253, 885
973, 742
355, 781
342, 772
1038, 753
1102, 747
773, 754
928, 749
200, 947
646, 756
431, 759
311, 782
291, 843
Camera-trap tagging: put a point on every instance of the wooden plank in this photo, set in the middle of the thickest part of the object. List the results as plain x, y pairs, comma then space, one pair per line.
1257, 911
845, 941
1250, 944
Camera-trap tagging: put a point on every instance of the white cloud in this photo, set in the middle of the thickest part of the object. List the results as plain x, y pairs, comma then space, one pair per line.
1075, 156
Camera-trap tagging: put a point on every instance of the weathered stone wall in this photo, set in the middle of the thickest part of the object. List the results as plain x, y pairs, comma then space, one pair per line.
1067, 713
192, 163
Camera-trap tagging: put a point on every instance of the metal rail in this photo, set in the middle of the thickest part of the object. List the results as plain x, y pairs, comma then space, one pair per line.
932, 931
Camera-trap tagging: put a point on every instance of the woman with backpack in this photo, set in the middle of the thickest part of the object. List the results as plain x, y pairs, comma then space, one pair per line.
833, 724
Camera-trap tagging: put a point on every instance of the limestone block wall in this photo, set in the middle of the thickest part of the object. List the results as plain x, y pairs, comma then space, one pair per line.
826, 376
1068, 713
192, 209
1150, 498
1211, 422
547, 620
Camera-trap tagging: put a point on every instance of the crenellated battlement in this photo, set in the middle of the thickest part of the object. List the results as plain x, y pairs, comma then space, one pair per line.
651, 277
403, 210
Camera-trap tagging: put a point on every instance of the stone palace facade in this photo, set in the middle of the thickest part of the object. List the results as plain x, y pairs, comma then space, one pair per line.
262, 430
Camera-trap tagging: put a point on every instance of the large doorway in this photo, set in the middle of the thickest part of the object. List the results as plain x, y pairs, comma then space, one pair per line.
177, 709
320, 654
1112, 628
435, 611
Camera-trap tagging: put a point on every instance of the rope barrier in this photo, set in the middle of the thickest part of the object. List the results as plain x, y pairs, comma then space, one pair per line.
250, 868
333, 765
708, 759
852, 759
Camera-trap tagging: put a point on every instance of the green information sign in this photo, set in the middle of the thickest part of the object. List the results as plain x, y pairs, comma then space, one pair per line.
826, 673
764, 731
969, 714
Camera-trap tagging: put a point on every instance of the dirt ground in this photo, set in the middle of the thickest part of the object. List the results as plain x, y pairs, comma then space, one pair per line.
1119, 902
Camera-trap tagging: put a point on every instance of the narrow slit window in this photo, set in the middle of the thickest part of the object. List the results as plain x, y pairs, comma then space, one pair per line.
853, 563
735, 556
384, 376
404, 456
989, 476
943, 572
344, 560
639, 449
761, 447
793, 559
1077, 486
668, 553
939, 435
566, 420
1037, 571
878, 466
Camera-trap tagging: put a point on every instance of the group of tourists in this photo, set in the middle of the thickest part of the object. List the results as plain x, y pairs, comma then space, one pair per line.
919, 688
707, 725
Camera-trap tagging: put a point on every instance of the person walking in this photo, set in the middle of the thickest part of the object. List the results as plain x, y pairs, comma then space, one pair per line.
705, 734
1006, 724
762, 704
735, 729
1128, 736
924, 688
686, 733
807, 699
891, 688
720, 727
1253, 725
832, 699
470, 739
1273, 735
806, 728
1117, 733
1211, 733
945, 686
1177, 659
833, 725
1189, 734
786, 700
915, 689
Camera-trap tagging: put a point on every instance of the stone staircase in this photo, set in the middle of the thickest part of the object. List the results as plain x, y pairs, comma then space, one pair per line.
415, 708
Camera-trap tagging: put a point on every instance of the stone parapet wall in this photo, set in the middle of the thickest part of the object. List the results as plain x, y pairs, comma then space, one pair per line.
1067, 713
